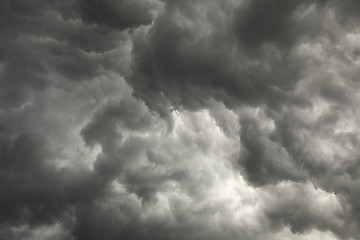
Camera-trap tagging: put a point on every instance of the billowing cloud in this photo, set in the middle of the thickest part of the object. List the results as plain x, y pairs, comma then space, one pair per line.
169, 119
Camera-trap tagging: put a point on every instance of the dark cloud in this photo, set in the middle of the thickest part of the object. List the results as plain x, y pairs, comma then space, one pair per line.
264, 161
263, 21
38, 41
189, 64
120, 15
46, 49
34, 191
179, 119
276, 22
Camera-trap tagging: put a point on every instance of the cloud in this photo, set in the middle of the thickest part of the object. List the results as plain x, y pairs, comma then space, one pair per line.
117, 14
179, 119
191, 56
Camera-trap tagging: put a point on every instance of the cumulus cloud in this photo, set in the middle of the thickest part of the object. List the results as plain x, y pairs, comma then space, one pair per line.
169, 119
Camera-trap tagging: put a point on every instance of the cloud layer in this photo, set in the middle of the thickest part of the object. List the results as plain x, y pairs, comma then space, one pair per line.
178, 119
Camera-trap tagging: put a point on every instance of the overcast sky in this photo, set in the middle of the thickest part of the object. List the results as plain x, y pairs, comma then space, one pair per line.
179, 119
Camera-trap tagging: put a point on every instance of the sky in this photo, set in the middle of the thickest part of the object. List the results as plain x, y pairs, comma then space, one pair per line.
179, 119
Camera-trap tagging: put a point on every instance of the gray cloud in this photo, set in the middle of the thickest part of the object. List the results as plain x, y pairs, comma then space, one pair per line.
117, 14
179, 119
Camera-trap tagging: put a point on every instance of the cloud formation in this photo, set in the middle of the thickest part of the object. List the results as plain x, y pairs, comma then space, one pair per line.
172, 119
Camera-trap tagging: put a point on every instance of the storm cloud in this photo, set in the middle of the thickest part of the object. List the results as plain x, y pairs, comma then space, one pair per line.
178, 119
